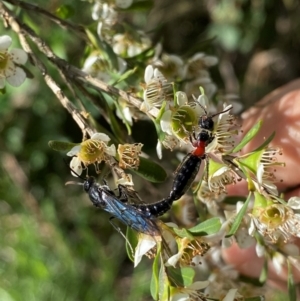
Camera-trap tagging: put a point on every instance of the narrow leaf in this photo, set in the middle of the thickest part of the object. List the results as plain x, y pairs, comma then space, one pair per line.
181, 276
65, 11
291, 283
265, 143
125, 75
239, 217
131, 243
115, 126
150, 171
183, 233
264, 272
249, 136
61, 146
164, 284
154, 285
210, 226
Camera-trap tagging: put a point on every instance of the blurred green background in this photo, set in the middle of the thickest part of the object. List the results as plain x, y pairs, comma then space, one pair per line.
53, 244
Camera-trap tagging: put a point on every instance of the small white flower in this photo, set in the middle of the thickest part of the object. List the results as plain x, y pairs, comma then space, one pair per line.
156, 89
105, 13
97, 66
172, 66
275, 220
91, 151
9, 61
145, 244
191, 292
180, 117
126, 46
224, 132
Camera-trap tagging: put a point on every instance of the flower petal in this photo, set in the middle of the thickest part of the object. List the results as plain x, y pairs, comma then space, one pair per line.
5, 42
181, 297
198, 285
76, 166
181, 98
172, 261
18, 78
165, 122
101, 137
146, 243
294, 203
148, 73
111, 150
159, 149
19, 56
74, 151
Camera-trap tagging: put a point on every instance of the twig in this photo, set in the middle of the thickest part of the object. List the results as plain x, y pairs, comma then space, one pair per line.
84, 126
36, 9
72, 72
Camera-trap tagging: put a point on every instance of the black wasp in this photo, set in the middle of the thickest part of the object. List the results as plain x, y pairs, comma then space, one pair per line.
103, 197
189, 167
151, 210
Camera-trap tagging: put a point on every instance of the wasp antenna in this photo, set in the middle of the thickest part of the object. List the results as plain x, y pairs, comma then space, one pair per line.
74, 173
74, 183
203, 108
222, 111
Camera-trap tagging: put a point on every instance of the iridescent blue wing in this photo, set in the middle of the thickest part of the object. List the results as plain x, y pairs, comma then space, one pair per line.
131, 217
103, 197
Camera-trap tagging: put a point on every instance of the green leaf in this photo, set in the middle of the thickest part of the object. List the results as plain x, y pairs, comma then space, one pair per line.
125, 121
154, 285
181, 276
131, 242
61, 146
210, 226
183, 233
65, 11
164, 284
232, 200
107, 51
239, 217
150, 171
125, 75
265, 143
249, 136
115, 126
291, 283
264, 272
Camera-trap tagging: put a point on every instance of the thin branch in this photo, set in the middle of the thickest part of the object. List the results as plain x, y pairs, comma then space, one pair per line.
36, 9
74, 73
71, 72
66, 103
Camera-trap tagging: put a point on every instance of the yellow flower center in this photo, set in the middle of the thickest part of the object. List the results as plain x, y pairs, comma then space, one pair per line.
274, 216
92, 151
183, 120
3, 60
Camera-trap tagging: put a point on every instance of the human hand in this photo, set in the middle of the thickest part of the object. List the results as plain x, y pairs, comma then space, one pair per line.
280, 112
